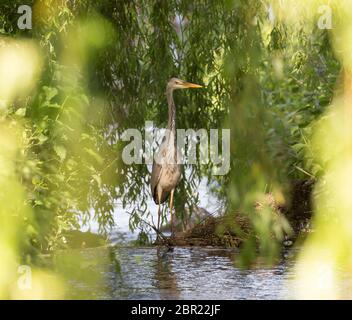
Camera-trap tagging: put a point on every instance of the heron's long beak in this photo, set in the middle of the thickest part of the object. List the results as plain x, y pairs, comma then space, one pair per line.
191, 85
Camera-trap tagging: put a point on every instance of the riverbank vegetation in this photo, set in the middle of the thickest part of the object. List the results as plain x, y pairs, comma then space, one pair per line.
277, 74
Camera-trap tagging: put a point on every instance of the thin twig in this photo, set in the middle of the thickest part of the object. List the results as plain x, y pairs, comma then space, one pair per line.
156, 230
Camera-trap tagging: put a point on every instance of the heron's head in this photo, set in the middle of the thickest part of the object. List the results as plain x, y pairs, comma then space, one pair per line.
175, 83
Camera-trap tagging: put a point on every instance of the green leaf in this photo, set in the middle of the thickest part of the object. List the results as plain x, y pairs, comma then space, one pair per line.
97, 178
21, 112
95, 155
298, 147
42, 138
60, 151
50, 92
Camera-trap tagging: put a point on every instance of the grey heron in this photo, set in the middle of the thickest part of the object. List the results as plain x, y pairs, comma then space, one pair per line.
166, 171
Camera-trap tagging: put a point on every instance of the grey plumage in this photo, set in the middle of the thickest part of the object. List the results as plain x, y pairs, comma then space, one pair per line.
166, 171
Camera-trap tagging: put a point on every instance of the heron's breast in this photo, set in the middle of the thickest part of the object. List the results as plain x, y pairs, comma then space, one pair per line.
170, 177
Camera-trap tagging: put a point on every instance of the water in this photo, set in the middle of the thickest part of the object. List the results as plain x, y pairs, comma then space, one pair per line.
181, 273
121, 215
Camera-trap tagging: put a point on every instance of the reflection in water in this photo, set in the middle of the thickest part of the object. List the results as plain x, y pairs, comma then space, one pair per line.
185, 273
165, 278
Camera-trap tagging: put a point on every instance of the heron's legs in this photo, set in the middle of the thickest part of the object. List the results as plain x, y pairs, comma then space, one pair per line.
158, 225
172, 212
159, 213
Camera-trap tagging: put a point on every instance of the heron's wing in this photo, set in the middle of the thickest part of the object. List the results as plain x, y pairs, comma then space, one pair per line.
156, 170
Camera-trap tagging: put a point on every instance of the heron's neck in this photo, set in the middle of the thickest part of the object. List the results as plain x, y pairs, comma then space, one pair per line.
171, 125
